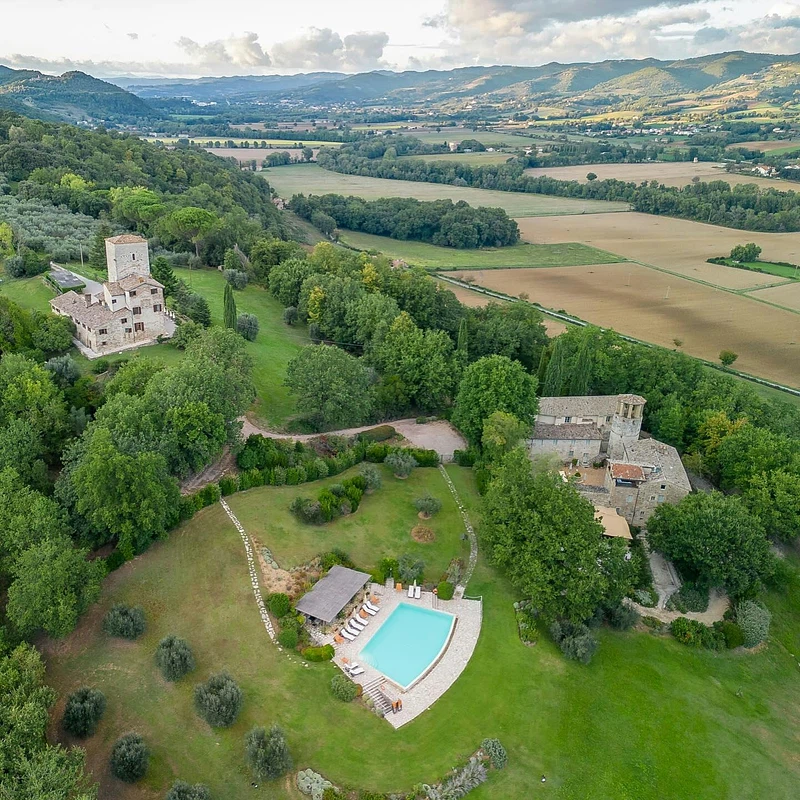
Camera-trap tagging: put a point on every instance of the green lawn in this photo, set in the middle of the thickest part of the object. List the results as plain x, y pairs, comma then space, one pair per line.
276, 344
31, 293
476, 159
568, 254
758, 267
311, 179
649, 719
381, 526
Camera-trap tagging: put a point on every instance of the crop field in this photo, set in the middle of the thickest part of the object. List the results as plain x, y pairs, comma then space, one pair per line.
421, 254
677, 245
243, 154
459, 134
787, 295
658, 308
475, 159
769, 145
670, 173
311, 179
255, 144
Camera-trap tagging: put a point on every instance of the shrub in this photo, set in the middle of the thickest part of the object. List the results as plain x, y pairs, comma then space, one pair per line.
290, 315
333, 557
323, 653
174, 657
622, 617
219, 700
754, 620
313, 784
228, 484
247, 326
100, 366
693, 633
689, 597
379, 434
428, 505
445, 590
115, 560
83, 712
124, 621
466, 458
646, 597
371, 475
410, 568
495, 751
129, 758
424, 458
377, 452
267, 753
279, 604
386, 567
575, 641
208, 495
237, 278
180, 790
401, 464
342, 688
288, 638
734, 636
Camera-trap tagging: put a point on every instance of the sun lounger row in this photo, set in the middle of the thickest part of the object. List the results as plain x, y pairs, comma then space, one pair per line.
357, 623
414, 591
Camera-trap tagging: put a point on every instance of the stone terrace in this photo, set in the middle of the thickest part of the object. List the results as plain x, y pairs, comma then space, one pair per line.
445, 671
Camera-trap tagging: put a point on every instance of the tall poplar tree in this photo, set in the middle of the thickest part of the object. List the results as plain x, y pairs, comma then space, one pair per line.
229, 308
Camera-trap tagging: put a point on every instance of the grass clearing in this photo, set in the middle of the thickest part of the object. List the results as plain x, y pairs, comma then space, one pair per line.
381, 526
657, 307
478, 159
275, 345
311, 179
767, 267
521, 255
732, 717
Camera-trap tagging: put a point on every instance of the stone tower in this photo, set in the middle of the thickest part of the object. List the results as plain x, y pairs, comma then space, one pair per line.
626, 424
127, 255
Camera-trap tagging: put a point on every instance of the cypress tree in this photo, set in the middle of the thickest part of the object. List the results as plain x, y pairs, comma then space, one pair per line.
229, 308
544, 360
582, 370
554, 375
463, 347
97, 250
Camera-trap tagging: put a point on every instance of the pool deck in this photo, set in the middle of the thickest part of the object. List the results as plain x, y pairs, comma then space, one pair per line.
439, 678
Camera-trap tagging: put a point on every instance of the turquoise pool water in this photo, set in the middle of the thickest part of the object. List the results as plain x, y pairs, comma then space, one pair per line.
408, 642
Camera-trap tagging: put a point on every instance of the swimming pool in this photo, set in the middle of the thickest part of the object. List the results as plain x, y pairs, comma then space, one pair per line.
408, 642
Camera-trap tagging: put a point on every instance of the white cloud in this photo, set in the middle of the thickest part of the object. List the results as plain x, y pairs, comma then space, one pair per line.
324, 49
238, 51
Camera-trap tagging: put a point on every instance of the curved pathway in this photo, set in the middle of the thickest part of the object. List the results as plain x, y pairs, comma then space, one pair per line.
473, 539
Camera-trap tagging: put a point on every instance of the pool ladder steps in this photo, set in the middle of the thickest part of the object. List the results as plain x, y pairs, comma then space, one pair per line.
373, 691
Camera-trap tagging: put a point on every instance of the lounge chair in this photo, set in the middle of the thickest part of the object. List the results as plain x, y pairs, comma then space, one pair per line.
348, 667
347, 634
354, 629
374, 609
417, 592
369, 610
356, 670
411, 591
357, 623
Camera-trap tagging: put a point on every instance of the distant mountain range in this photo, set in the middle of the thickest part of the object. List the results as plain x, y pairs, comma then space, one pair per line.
581, 88
71, 97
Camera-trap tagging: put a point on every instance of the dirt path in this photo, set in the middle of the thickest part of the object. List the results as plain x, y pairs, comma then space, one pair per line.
440, 435
211, 474
717, 606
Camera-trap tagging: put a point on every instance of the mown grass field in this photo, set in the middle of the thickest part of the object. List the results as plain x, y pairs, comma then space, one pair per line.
565, 254
311, 179
382, 525
759, 267
649, 718
476, 159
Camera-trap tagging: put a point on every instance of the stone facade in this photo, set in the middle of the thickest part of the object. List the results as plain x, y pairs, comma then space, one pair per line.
640, 473
129, 312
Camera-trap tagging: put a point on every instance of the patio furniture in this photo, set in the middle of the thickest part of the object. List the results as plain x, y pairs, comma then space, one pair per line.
411, 591
338, 639
347, 635
362, 615
356, 671
374, 609
358, 623
417, 592
352, 629
369, 610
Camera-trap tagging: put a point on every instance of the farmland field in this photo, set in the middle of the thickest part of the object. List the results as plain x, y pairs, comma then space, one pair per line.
275, 144
311, 179
257, 153
522, 255
670, 173
787, 295
475, 159
459, 134
769, 145
677, 245
658, 308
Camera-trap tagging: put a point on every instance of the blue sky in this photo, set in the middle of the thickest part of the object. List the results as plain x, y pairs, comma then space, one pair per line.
178, 38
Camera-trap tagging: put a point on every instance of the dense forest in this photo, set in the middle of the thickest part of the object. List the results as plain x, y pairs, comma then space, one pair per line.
440, 222
182, 199
747, 207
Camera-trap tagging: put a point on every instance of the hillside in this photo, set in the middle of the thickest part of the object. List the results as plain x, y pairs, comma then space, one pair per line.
71, 97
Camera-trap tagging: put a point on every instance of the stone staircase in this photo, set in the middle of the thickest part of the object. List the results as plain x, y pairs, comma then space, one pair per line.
373, 691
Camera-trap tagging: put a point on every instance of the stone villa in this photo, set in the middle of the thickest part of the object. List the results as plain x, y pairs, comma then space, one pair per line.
128, 312
638, 473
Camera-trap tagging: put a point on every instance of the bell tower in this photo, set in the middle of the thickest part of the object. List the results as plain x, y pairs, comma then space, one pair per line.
626, 424
127, 255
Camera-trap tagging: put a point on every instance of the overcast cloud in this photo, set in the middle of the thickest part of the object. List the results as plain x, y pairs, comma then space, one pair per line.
361, 35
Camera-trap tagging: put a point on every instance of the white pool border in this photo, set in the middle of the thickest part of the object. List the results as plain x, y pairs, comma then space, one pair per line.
432, 663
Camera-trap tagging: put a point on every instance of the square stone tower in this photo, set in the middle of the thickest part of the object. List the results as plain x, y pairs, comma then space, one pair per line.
127, 255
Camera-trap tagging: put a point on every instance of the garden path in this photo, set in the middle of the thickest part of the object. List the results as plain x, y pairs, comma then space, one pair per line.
718, 603
473, 539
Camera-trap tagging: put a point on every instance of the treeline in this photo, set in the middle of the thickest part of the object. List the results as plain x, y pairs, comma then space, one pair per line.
745, 444
182, 199
747, 207
394, 341
440, 222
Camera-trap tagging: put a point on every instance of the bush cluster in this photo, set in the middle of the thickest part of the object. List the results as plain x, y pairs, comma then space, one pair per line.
267, 753
192, 503
83, 712
180, 790
574, 640
734, 635
380, 434
174, 657
129, 758
754, 619
279, 604
466, 458
495, 752
323, 653
693, 633
401, 464
428, 505
690, 597
342, 688
445, 590
124, 621
337, 500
